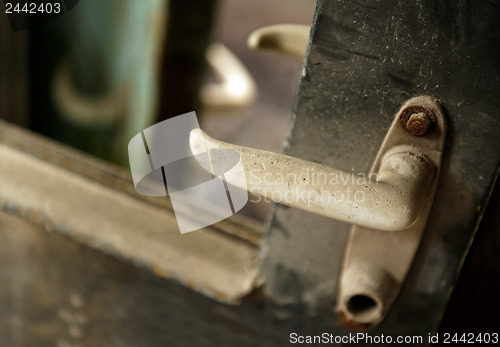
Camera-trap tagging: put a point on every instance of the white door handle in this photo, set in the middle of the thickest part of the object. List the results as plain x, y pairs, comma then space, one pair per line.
398, 196
388, 199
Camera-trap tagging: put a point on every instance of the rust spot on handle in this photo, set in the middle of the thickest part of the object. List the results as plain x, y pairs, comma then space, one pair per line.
417, 120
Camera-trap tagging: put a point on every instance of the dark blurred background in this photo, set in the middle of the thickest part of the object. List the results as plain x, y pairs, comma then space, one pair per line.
105, 70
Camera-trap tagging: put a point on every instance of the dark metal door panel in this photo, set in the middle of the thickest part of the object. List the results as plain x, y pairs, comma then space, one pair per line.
365, 59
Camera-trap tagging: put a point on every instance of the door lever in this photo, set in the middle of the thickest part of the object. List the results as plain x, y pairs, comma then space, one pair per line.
389, 198
389, 207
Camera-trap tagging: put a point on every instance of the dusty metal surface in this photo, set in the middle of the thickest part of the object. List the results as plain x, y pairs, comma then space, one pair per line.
56, 292
87, 206
363, 61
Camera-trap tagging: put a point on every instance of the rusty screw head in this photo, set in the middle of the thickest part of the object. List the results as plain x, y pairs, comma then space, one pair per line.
417, 120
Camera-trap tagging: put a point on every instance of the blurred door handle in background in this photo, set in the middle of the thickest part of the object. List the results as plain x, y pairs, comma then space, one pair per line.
287, 39
389, 207
237, 86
